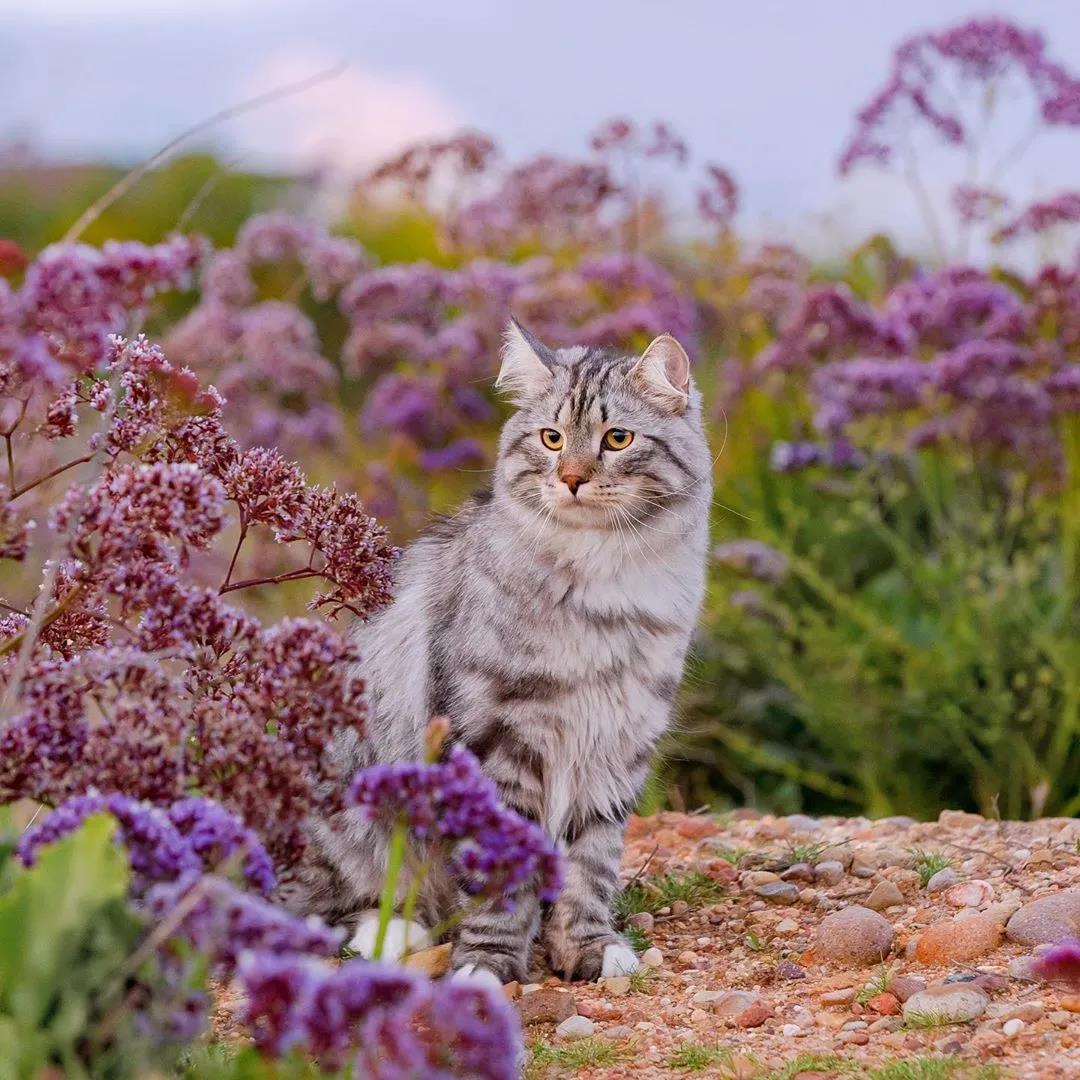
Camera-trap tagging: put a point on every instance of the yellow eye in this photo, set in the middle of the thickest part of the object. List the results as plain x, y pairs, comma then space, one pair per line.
618, 438
551, 438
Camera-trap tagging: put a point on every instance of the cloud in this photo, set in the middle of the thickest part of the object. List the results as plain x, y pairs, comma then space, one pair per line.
343, 125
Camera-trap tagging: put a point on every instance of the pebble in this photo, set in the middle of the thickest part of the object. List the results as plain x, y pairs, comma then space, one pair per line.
862, 867
885, 895
620, 1031
799, 871
853, 935
956, 1002
575, 1027
734, 1002
959, 938
754, 879
838, 997
969, 894
679, 908
652, 958
616, 985
791, 1030
687, 959
787, 926
788, 969
707, 997
1013, 1027
755, 1015
546, 1006
1071, 1003
829, 872
942, 880
903, 986
778, 892
642, 920
960, 819
1046, 921
884, 1004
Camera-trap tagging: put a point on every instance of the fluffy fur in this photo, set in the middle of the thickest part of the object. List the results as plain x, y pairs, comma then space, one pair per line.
549, 619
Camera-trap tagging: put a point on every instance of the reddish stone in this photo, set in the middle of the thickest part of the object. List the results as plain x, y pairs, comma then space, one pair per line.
884, 1004
754, 1015
694, 828
546, 1007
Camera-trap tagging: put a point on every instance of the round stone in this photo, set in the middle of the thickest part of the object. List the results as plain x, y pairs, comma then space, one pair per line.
575, 1027
941, 880
1046, 921
953, 1003
885, 895
853, 935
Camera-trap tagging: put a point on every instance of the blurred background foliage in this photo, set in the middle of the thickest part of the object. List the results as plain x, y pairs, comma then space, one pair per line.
891, 625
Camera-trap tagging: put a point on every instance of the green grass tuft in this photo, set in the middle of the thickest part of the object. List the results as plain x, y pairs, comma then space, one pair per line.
734, 855
639, 940
652, 894
576, 1055
928, 863
693, 1057
877, 985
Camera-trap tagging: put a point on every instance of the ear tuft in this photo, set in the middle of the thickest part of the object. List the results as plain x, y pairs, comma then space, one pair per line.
663, 373
526, 364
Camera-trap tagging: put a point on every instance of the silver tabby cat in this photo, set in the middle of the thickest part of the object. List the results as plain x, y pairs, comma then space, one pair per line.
548, 619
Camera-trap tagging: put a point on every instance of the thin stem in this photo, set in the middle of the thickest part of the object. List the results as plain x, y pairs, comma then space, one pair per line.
399, 840
16, 492
13, 643
250, 583
129, 180
10, 464
236, 553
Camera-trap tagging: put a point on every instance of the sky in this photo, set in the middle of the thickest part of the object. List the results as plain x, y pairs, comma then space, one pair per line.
766, 88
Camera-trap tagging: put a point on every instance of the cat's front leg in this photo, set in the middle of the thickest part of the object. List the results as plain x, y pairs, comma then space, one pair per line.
579, 930
494, 942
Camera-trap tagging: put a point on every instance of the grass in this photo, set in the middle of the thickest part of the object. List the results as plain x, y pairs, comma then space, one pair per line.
877, 985
637, 938
734, 855
693, 1057
753, 941
641, 980
576, 1055
930, 1067
930, 1020
652, 894
806, 852
928, 863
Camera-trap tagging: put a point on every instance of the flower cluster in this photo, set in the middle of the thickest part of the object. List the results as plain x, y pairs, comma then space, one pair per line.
163, 844
929, 69
388, 1022
493, 851
1061, 964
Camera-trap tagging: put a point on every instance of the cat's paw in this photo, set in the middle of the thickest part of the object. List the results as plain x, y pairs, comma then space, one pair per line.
480, 976
619, 959
401, 936
601, 958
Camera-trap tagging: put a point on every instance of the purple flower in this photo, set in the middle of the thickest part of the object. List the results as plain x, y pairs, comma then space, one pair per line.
493, 850
1061, 964
457, 455
394, 1024
752, 558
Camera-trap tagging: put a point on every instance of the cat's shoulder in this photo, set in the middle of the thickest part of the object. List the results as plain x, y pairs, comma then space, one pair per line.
448, 527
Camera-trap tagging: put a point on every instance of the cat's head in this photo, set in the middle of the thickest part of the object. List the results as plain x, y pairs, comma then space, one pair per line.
600, 438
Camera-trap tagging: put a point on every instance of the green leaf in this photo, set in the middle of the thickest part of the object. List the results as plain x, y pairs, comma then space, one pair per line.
48, 910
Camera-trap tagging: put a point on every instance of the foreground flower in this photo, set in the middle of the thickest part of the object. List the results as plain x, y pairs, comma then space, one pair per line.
493, 851
395, 1025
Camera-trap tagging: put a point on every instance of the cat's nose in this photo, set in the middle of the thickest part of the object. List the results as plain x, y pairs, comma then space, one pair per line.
573, 481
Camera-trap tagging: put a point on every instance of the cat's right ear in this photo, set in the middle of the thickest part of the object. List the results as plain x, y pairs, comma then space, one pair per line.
526, 364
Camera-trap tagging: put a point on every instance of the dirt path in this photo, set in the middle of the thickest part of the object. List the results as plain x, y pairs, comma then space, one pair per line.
759, 977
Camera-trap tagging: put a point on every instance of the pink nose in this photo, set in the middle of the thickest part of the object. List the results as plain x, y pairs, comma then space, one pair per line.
573, 482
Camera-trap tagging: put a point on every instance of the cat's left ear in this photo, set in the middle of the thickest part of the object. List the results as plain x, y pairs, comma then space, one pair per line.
663, 373
526, 364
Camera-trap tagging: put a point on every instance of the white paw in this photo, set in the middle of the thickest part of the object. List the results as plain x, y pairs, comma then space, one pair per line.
401, 936
482, 976
619, 959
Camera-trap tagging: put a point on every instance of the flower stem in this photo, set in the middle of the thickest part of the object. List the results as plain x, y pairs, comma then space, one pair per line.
395, 860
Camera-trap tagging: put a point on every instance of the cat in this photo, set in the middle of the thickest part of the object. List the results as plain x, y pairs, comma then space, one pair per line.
549, 619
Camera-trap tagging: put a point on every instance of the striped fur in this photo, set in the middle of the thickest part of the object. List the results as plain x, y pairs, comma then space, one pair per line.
551, 628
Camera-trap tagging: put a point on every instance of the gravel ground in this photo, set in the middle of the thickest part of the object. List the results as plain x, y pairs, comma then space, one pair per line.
771, 963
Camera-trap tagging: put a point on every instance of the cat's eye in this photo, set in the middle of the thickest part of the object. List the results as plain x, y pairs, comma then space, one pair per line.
551, 438
617, 438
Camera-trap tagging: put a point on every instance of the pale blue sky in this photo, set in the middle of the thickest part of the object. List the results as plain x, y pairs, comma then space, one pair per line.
766, 87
